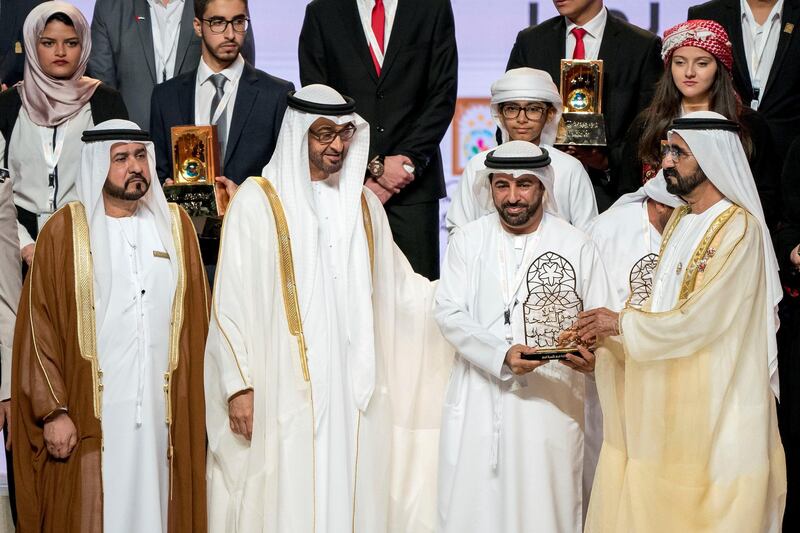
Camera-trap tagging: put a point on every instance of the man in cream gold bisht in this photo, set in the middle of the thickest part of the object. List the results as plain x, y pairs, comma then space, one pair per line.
688, 387
324, 372
107, 387
512, 454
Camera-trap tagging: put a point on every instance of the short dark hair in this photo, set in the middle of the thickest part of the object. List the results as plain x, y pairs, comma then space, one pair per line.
201, 5
61, 17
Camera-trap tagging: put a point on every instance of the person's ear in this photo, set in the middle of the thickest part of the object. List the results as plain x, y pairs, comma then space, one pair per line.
198, 27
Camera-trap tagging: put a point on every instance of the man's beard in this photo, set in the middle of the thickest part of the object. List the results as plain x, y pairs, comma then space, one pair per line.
683, 185
140, 188
318, 160
520, 219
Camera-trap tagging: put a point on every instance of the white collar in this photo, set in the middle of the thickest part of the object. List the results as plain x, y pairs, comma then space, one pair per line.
747, 13
595, 26
232, 73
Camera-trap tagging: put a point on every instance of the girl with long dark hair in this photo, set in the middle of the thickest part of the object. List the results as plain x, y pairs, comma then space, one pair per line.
697, 77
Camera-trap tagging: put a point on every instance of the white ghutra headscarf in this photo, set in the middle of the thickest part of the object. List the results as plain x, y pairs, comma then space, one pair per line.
95, 162
288, 171
716, 145
527, 85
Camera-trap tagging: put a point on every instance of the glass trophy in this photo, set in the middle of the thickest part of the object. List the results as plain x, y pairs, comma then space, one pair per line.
582, 121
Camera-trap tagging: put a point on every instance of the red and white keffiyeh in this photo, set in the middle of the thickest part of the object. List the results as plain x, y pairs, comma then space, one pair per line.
705, 34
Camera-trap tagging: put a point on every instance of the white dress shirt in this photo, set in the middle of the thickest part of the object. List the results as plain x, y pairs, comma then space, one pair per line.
365, 12
594, 35
204, 92
33, 156
166, 24
760, 45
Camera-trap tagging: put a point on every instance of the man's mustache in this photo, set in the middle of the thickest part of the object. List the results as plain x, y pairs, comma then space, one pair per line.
135, 176
671, 173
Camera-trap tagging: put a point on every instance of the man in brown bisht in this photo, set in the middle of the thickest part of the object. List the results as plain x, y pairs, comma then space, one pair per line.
107, 386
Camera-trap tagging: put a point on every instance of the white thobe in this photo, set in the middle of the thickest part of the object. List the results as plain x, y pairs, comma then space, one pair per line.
629, 246
572, 188
672, 267
133, 352
336, 414
511, 448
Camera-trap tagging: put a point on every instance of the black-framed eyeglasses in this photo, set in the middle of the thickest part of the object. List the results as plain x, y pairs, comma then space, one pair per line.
533, 111
220, 25
327, 135
674, 152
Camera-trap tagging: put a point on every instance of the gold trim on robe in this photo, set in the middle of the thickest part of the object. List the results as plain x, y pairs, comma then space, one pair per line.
703, 252
84, 299
291, 301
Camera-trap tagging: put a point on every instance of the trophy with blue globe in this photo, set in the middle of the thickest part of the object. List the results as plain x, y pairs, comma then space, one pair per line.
582, 121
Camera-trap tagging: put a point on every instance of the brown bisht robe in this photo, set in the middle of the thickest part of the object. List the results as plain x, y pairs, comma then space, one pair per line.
55, 367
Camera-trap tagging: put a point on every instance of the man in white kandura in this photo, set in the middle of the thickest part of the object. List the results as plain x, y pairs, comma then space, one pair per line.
688, 382
325, 371
511, 453
628, 237
526, 106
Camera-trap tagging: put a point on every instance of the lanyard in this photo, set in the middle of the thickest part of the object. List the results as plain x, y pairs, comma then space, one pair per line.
52, 147
230, 89
373, 44
758, 48
509, 291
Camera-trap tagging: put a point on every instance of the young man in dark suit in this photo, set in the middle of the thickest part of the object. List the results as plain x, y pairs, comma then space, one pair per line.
246, 104
765, 74
127, 55
398, 60
631, 67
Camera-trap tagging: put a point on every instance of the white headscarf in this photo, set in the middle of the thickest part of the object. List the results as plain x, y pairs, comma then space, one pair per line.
289, 173
531, 85
656, 189
95, 162
523, 152
722, 158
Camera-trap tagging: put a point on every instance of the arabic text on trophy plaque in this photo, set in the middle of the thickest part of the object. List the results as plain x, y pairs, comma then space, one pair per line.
582, 122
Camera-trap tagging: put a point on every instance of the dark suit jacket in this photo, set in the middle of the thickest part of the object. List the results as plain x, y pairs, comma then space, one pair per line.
257, 116
780, 103
410, 106
12, 16
631, 67
124, 58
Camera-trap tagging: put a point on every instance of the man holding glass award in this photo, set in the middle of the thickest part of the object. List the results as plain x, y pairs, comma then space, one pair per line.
512, 286
216, 125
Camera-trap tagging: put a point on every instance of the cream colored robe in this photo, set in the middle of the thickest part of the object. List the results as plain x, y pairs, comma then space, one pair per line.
691, 439
268, 484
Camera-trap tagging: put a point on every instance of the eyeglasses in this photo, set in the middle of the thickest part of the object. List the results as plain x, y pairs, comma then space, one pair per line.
220, 25
327, 135
533, 112
674, 152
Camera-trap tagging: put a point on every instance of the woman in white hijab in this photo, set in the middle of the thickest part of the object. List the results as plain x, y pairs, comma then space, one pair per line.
41, 119
526, 106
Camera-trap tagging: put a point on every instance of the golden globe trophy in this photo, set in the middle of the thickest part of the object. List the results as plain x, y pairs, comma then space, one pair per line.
195, 164
582, 121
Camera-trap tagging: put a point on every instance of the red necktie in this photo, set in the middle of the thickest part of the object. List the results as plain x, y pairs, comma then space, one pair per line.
580, 49
378, 25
